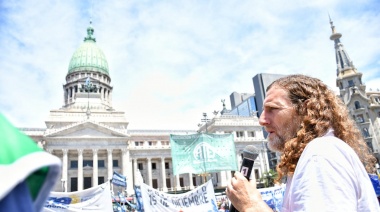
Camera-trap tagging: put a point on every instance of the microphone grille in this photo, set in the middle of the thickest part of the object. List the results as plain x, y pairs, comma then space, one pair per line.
251, 152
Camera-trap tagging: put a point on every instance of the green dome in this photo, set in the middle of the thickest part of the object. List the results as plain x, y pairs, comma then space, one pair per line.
88, 56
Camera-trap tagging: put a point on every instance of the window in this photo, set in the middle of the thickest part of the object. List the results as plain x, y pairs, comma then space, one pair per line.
115, 163
167, 165
239, 134
100, 180
140, 166
351, 83
359, 118
365, 133
150, 143
251, 134
139, 143
154, 166
155, 183
87, 182
74, 184
357, 105
74, 164
87, 163
101, 163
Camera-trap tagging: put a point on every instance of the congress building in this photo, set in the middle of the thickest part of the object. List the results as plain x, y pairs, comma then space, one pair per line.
93, 140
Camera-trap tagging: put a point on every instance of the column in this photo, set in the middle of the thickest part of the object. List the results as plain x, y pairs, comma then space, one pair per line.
177, 184
110, 164
106, 95
95, 167
80, 169
266, 160
149, 165
261, 161
163, 175
229, 175
135, 171
127, 170
191, 184
64, 169
223, 179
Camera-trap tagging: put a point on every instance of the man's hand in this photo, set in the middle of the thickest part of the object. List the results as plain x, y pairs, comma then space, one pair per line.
244, 195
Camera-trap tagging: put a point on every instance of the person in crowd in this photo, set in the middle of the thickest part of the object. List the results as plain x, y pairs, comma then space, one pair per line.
324, 158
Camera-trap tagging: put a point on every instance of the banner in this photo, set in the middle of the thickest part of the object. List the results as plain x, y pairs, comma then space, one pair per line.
95, 199
202, 153
27, 172
273, 196
119, 180
199, 199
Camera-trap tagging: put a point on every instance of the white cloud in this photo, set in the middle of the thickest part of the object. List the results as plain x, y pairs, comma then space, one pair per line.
170, 62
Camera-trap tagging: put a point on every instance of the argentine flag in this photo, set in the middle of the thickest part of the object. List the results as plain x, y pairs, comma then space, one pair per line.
27, 172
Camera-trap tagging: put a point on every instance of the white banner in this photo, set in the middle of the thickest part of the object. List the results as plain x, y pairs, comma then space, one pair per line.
95, 199
273, 196
199, 199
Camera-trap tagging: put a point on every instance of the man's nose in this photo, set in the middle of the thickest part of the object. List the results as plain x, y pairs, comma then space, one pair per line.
263, 119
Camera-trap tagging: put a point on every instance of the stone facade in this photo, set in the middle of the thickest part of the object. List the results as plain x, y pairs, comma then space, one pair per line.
364, 106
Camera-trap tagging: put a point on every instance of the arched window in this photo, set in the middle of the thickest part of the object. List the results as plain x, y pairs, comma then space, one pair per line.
357, 105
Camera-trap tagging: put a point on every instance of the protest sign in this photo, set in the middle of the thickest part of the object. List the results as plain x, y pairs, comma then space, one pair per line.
95, 199
199, 199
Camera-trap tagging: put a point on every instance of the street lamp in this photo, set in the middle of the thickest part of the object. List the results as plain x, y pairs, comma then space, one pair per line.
205, 120
89, 87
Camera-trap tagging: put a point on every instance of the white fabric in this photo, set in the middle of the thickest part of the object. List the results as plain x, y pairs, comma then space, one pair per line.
199, 200
95, 199
329, 177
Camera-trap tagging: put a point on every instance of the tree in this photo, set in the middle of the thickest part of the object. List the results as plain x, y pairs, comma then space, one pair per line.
268, 178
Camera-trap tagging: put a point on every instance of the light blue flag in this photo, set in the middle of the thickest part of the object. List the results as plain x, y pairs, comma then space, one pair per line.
203, 153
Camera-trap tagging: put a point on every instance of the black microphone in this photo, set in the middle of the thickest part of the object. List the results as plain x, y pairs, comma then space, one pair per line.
250, 154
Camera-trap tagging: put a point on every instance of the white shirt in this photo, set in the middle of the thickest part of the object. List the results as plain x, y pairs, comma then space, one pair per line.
329, 177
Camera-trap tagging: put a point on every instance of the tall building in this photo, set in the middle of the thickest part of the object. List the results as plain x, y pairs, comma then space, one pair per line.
242, 104
92, 138
260, 83
237, 98
364, 106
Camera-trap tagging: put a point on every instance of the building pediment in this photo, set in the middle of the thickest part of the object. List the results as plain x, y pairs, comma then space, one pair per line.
86, 129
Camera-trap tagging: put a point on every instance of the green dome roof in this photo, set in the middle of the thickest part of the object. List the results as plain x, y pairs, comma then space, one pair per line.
88, 56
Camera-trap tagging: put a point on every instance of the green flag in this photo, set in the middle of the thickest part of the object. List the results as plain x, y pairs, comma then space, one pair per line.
202, 153
21, 160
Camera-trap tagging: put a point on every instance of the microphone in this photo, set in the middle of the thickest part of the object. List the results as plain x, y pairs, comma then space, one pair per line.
250, 154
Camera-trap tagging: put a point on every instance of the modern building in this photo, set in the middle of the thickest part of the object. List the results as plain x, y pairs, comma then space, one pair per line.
92, 138
237, 98
364, 106
260, 83
242, 104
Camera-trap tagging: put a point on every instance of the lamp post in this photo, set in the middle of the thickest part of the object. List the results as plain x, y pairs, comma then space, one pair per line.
89, 87
205, 119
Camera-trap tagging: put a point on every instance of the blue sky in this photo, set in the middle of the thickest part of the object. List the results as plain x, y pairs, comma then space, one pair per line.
170, 61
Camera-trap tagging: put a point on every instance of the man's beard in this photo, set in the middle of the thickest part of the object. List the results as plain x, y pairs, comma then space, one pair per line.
277, 142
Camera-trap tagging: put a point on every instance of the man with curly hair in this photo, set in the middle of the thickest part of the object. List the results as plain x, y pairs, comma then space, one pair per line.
324, 157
